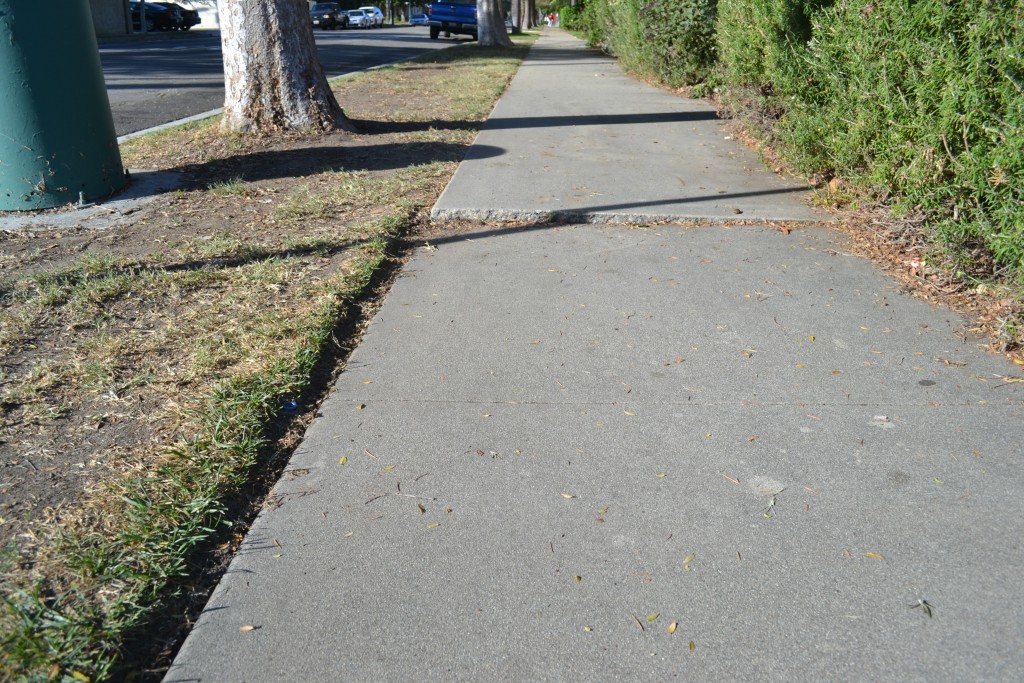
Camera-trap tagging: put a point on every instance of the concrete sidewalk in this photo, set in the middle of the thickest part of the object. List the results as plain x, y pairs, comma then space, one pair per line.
554, 442
574, 138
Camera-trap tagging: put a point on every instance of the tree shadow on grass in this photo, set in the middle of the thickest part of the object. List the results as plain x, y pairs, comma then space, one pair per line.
306, 161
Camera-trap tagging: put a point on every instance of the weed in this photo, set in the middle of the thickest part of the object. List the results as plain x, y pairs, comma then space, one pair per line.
232, 186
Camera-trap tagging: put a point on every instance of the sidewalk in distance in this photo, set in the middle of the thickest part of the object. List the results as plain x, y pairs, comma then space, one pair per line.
579, 140
554, 442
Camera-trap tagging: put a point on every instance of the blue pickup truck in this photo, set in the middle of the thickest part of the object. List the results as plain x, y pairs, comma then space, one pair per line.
452, 17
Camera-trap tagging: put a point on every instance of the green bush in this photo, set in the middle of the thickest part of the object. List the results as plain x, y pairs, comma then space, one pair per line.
672, 41
758, 39
679, 40
921, 103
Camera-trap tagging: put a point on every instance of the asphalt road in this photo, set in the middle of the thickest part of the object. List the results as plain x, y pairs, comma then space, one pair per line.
165, 78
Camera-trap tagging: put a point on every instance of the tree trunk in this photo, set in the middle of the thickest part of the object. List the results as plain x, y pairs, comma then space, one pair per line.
491, 24
523, 12
272, 75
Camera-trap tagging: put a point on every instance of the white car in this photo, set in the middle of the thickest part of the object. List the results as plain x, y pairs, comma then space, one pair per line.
375, 14
357, 18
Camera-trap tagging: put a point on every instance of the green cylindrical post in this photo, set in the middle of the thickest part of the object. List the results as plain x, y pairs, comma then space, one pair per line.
57, 140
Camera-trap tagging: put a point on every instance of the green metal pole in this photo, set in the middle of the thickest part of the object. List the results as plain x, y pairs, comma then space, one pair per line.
57, 140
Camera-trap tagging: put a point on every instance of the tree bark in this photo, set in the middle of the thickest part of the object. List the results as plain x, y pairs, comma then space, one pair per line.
273, 79
523, 13
491, 24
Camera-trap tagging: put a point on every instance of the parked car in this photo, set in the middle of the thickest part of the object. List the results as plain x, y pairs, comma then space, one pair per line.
158, 17
328, 16
419, 20
189, 17
375, 14
357, 18
450, 17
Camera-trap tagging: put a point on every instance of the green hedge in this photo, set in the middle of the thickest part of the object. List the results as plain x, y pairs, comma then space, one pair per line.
922, 103
672, 41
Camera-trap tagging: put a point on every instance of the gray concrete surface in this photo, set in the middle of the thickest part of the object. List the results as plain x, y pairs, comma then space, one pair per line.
143, 186
585, 142
554, 442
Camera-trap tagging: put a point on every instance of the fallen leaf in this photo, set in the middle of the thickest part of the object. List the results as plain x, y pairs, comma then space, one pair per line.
603, 511
388, 468
349, 534
672, 627
653, 617
735, 481
568, 496
246, 628
79, 676
938, 481
485, 414
434, 525
811, 337
693, 646
343, 460
688, 559
875, 556
837, 372
752, 438
679, 360
578, 579
925, 606
360, 406
799, 366
422, 509
587, 629
629, 413
369, 381
660, 476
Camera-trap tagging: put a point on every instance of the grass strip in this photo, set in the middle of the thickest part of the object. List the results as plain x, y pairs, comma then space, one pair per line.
221, 331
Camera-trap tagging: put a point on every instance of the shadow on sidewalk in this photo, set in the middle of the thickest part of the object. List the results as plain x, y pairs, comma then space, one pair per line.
526, 122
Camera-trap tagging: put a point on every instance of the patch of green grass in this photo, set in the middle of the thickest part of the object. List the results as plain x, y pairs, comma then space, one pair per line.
232, 186
302, 204
134, 152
